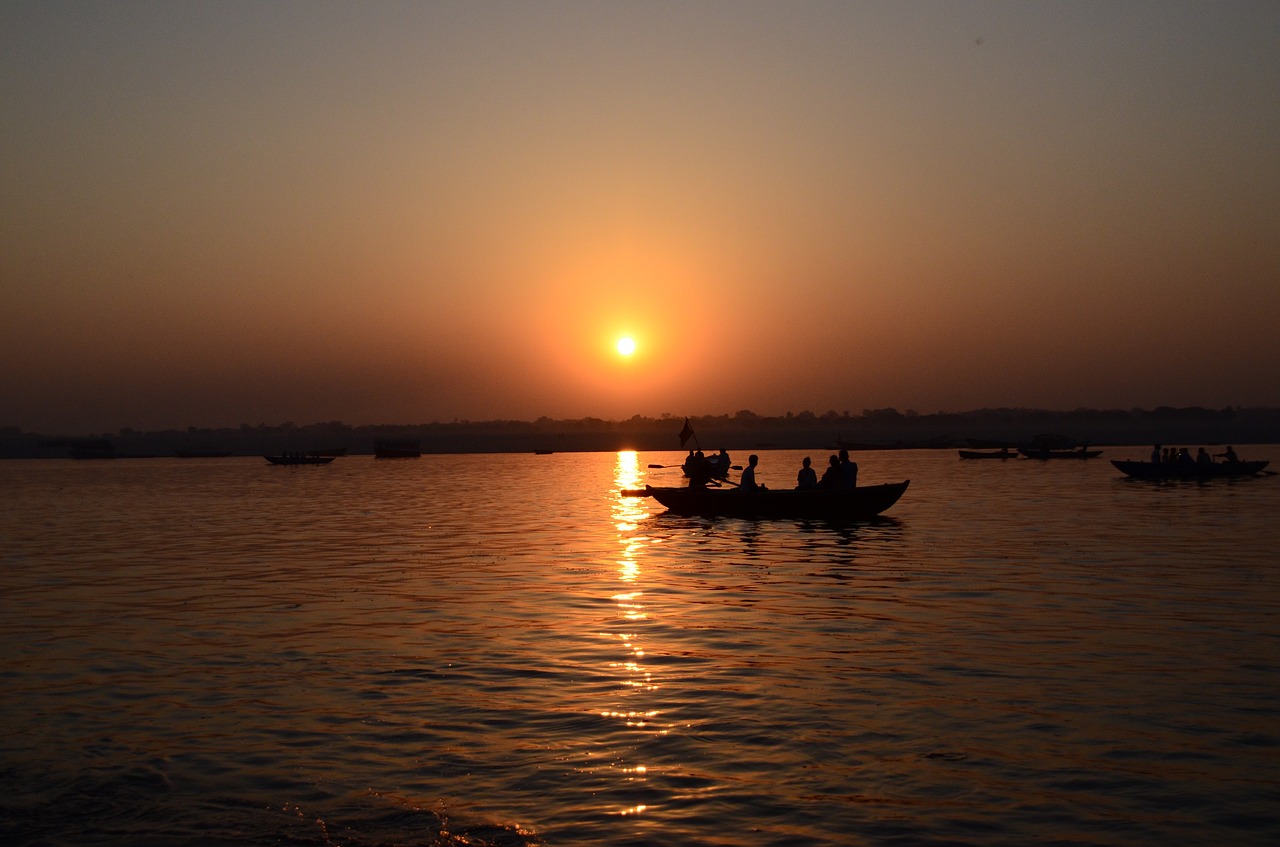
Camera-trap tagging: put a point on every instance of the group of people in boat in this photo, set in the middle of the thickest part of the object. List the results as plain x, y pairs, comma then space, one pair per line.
841, 472
1182, 456
698, 466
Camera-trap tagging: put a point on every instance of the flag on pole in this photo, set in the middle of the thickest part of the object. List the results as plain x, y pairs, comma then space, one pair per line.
686, 433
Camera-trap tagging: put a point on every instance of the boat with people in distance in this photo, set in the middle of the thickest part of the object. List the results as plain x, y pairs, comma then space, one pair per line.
861, 503
1188, 470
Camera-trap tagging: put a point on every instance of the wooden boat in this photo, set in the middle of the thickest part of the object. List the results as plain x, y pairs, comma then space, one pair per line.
1003, 453
392, 449
1179, 470
1039, 453
854, 504
298, 459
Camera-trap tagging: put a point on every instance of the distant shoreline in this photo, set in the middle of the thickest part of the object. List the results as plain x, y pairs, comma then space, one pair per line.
873, 429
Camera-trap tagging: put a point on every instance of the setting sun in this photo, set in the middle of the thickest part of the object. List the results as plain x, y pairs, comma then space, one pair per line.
626, 346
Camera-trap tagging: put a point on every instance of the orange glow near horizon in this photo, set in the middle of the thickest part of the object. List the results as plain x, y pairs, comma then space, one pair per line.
778, 224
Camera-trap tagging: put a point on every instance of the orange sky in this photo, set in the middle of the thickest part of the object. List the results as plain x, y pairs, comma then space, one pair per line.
232, 213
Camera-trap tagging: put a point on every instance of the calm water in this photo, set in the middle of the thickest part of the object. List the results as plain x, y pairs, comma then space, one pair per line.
423, 652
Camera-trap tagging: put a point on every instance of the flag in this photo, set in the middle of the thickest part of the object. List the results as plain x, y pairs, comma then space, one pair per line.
686, 433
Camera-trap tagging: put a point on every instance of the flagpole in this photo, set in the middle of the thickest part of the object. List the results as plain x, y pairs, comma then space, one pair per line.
686, 433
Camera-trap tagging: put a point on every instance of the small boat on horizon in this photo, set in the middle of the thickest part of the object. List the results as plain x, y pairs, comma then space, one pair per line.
1041, 453
298, 459
387, 448
1002, 453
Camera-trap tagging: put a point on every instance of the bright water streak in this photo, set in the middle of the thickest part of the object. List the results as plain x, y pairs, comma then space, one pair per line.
423, 651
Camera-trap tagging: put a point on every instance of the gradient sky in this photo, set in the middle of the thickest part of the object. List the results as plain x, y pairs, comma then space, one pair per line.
244, 212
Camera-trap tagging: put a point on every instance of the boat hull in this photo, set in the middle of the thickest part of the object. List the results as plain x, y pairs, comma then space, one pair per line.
1174, 470
299, 460
979, 454
1035, 453
396, 449
859, 503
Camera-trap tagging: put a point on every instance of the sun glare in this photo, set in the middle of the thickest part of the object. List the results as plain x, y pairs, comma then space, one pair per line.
626, 346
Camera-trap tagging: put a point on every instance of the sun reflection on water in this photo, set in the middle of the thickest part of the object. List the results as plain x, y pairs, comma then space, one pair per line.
629, 515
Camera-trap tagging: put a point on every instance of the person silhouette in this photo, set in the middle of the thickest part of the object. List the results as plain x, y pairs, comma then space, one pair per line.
808, 477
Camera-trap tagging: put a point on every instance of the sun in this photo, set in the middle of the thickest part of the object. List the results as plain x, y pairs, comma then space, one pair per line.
626, 345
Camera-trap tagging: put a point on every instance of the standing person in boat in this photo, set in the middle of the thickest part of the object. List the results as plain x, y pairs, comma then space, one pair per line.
848, 470
748, 481
808, 477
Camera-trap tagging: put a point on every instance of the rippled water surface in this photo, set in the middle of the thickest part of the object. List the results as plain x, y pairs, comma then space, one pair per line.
503, 650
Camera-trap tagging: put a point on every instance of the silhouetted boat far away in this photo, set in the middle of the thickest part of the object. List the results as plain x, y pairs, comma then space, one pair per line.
1003, 453
392, 449
298, 459
1038, 453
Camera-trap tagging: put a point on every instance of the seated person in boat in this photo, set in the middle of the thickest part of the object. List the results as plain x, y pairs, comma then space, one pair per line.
1156, 455
1203, 457
691, 461
831, 476
721, 462
848, 471
748, 481
808, 477
698, 470
1229, 455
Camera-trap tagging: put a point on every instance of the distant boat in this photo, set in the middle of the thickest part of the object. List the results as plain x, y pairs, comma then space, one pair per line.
298, 459
861, 503
396, 449
1002, 453
1180, 470
1042, 453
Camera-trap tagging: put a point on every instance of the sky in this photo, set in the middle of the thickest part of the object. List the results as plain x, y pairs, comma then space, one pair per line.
215, 213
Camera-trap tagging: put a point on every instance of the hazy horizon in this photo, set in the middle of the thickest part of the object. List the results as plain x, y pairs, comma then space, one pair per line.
220, 213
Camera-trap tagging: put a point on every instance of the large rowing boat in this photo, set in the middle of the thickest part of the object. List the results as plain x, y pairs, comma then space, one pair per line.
854, 504
1180, 470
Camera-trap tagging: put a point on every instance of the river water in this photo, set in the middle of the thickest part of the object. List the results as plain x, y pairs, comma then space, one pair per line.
501, 649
